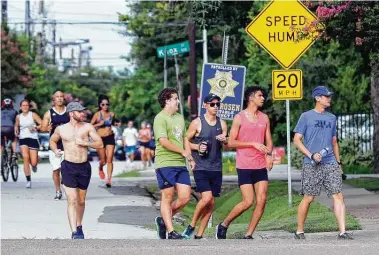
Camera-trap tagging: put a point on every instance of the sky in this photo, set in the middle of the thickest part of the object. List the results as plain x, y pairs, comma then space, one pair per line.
107, 44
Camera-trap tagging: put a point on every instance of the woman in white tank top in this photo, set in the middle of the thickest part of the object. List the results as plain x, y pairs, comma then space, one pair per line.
27, 131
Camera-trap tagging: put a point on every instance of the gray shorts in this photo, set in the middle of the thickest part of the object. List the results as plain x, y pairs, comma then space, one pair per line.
326, 175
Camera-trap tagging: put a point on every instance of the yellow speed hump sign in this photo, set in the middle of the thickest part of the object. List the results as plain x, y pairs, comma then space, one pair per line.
276, 26
287, 84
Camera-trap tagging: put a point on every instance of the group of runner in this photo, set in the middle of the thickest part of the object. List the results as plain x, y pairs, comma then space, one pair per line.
177, 149
200, 149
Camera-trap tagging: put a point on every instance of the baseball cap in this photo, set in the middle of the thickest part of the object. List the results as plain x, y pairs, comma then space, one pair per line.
321, 91
75, 106
210, 97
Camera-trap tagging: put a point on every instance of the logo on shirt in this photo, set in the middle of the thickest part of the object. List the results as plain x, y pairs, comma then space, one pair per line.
323, 124
177, 131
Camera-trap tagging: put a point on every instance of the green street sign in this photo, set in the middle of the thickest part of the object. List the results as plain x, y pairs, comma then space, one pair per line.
173, 49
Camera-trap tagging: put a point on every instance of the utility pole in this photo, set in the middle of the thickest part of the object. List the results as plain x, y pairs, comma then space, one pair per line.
4, 11
192, 69
54, 41
27, 18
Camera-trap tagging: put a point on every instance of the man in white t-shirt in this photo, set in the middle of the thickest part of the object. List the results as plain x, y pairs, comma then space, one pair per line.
130, 139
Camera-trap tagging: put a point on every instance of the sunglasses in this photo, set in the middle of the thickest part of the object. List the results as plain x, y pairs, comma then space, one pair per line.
104, 104
214, 104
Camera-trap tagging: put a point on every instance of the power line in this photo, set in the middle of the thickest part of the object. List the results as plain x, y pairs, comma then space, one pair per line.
69, 13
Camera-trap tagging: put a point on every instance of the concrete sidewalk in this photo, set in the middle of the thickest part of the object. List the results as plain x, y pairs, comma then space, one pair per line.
34, 214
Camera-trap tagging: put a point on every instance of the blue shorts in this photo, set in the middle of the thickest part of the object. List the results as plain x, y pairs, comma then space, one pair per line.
251, 176
169, 176
130, 149
208, 181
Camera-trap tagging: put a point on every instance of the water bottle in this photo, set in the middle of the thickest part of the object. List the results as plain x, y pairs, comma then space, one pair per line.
202, 154
323, 153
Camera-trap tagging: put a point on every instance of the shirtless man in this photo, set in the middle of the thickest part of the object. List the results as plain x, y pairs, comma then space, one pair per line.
76, 170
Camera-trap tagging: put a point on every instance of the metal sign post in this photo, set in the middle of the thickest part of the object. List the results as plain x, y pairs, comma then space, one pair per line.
165, 68
289, 153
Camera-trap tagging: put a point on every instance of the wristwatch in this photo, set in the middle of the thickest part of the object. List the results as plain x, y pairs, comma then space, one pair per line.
269, 154
339, 162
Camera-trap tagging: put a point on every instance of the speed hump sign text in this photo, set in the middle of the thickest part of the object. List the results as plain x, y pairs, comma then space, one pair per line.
287, 84
274, 29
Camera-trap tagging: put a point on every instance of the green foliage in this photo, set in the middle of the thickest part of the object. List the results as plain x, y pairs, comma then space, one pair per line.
136, 98
14, 62
352, 155
370, 184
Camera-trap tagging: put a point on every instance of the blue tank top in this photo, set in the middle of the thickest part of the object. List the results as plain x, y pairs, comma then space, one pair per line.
108, 122
213, 160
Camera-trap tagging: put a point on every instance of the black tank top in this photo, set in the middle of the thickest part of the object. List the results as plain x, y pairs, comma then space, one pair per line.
213, 160
57, 120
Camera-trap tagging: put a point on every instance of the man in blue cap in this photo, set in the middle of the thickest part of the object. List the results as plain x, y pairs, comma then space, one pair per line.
322, 162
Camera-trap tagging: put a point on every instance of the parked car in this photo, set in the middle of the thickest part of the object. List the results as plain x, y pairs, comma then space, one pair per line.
43, 152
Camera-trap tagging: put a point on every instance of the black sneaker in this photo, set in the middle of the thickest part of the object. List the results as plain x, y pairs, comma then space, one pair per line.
74, 235
345, 236
58, 195
174, 235
161, 227
79, 232
299, 235
198, 237
188, 232
221, 231
248, 237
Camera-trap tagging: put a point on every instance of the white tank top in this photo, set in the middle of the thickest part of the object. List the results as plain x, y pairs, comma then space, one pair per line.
26, 122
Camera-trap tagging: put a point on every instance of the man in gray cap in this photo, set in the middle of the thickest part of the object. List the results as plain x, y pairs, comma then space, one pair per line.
75, 169
322, 163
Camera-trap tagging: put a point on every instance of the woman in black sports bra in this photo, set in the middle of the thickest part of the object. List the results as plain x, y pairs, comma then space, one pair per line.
102, 120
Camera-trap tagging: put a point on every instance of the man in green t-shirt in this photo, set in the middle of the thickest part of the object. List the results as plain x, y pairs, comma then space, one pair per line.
172, 150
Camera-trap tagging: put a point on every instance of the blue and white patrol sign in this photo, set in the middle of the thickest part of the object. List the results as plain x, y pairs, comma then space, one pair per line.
227, 82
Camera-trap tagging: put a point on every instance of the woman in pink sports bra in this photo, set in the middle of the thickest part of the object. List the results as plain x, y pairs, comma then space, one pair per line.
250, 134
102, 120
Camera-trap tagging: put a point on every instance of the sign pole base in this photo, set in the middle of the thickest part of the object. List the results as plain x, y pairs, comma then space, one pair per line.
289, 154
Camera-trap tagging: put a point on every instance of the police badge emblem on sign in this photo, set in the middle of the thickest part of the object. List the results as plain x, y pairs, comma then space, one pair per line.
227, 82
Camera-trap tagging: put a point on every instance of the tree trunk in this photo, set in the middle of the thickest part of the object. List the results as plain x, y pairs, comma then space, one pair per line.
375, 107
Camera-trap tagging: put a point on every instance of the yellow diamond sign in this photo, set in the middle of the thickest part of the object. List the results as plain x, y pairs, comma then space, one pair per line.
276, 27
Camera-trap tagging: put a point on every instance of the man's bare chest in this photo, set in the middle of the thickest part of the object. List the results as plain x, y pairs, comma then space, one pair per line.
69, 134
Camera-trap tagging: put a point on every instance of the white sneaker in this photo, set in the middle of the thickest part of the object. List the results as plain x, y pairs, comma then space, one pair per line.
28, 185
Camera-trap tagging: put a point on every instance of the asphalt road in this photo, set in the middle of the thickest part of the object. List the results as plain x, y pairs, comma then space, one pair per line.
192, 247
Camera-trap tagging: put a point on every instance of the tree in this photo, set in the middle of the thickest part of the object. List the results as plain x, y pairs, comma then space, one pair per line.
15, 72
356, 22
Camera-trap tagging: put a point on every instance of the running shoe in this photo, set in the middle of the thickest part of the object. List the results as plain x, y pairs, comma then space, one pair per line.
28, 185
34, 168
345, 236
174, 235
221, 231
79, 232
108, 184
299, 235
101, 174
188, 232
161, 227
58, 195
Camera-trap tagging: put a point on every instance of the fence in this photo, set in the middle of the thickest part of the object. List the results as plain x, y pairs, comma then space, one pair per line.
359, 127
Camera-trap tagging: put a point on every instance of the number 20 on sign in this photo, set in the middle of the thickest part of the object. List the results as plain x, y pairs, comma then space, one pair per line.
287, 84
